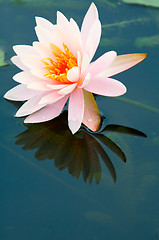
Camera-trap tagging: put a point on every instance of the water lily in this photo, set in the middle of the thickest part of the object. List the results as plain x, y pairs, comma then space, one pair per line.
58, 67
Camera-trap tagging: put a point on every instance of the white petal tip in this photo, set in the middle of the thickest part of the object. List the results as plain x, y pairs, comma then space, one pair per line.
6, 96
20, 114
74, 125
17, 115
26, 121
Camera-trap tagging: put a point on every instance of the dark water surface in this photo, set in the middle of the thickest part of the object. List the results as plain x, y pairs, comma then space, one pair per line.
40, 202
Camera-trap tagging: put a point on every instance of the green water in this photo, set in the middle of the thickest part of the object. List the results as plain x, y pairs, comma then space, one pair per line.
58, 186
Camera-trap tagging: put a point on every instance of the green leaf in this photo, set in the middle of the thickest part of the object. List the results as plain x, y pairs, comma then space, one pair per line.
152, 41
151, 3
2, 62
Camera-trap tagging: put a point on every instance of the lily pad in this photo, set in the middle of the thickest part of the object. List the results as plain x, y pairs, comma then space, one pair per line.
156, 140
2, 62
66, 4
152, 41
151, 3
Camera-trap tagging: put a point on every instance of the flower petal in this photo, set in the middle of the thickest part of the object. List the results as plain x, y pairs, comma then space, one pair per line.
62, 21
16, 60
40, 86
122, 63
79, 59
25, 77
51, 98
30, 106
76, 37
106, 87
91, 118
44, 36
75, 110
71, 33
43, 50
39, 73
93, 39
20, 93
90, 17
56, 36
67, 89
22, 50
32, 61
48, 112
73, 74
57, 86
42, 22
84, 64
102, 63
85, 81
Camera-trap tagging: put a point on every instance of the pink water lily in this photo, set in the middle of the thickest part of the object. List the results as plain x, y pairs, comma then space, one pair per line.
58, 67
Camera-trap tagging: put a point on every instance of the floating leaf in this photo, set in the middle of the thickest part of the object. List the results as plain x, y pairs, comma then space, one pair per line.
151, 3
113, 42
152, 41
139, 104
156, 140
126, 23
66, 4
2, 62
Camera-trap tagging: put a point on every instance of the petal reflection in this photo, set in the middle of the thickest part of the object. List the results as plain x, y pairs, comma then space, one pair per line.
81, 153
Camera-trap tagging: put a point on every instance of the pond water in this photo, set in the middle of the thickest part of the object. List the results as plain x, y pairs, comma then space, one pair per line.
43, 194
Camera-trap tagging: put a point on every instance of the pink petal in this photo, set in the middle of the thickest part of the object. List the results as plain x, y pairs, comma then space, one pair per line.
57, 86
91, 117
84, 64
25, 77
102, 63
93, 39
48, 112
44, 36
76, 37
41, 34
22, 50
73, 74
68, 89
105, 86
20, 93
51, 98
57, 36
42, 22
16, 60
63, 36
85, 81
90, 17
43, 50
122, 63
39, 73
79, 59
32, 61
62, 21
30, 106
75, 110
40, 86
71, 34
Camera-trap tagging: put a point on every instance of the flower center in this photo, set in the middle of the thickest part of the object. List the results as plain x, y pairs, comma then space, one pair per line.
64, 60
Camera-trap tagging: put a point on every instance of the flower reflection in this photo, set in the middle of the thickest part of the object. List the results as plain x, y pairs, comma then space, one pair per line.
80, 153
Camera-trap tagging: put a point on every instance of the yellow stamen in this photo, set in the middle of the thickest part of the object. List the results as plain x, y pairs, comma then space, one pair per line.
64, 60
